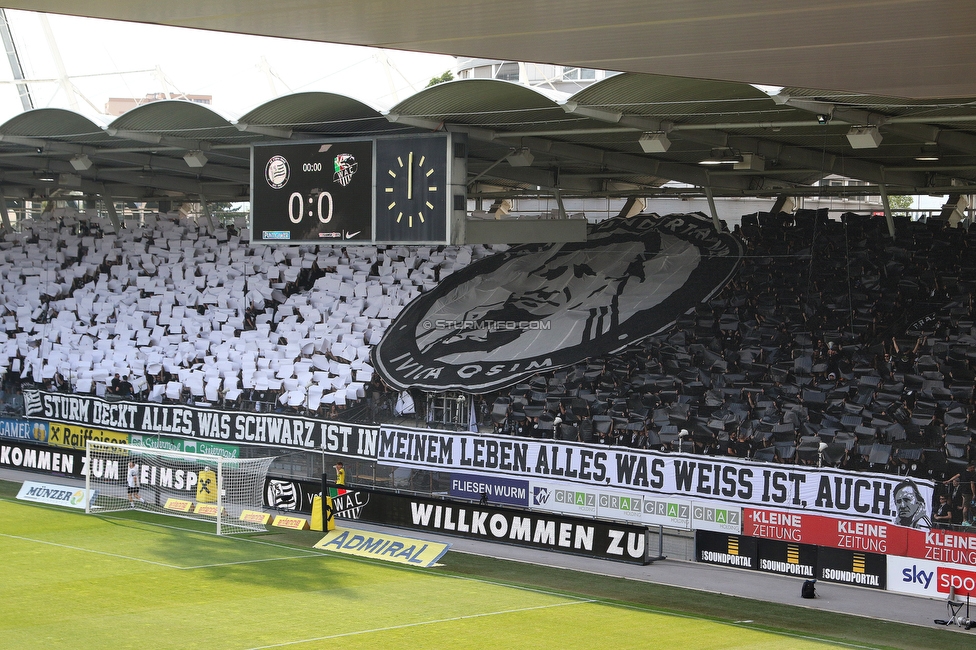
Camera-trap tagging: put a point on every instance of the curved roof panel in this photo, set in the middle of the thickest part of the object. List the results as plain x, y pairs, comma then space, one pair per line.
318, 112
679, 99
54, 123
598, 142
176, 118
487, 103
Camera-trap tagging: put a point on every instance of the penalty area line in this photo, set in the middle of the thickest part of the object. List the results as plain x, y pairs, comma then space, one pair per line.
419, 624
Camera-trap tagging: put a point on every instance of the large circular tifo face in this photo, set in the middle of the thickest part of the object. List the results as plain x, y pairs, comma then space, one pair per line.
277, 172
538, 307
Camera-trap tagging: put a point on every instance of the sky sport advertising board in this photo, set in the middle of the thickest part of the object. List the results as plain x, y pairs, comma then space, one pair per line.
932, 579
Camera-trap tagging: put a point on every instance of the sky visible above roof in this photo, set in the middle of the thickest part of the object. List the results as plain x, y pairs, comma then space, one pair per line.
103, 59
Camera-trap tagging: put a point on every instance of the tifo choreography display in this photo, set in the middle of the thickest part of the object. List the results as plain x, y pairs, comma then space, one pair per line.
541, 307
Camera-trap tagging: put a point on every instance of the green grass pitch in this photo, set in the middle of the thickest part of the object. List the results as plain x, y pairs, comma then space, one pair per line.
131, 580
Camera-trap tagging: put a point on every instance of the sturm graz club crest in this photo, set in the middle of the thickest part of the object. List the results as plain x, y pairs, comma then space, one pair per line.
537, 307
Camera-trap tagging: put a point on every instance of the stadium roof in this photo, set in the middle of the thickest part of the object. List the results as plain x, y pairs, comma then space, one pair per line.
900, 48
588, 144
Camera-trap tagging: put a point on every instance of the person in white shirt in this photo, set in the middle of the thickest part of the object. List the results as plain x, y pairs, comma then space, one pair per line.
132, 480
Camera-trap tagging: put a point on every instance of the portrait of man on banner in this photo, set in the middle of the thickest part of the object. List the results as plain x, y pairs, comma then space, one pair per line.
910, 507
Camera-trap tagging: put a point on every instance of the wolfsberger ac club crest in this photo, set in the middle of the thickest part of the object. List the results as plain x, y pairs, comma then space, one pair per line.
543, 306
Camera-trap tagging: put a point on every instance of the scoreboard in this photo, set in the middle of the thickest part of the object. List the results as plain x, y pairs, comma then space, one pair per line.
354, 191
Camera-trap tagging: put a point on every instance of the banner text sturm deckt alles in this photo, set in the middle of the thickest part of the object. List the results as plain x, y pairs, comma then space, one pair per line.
266, 429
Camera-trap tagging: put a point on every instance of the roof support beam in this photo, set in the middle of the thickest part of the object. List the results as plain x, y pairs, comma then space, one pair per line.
619, 161
798, 156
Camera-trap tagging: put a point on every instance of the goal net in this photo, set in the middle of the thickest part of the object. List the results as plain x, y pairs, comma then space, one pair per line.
182, 484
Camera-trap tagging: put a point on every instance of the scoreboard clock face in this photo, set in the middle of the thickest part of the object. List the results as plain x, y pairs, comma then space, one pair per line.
318, 192
412, 191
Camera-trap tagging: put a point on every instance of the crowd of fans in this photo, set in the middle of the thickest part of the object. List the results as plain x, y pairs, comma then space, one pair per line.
172, 310
834, 345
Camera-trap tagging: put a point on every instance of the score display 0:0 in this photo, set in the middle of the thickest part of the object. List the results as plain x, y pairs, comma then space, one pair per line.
296, 203
312, 167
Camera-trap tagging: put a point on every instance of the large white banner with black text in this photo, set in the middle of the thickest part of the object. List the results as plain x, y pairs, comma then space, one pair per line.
717, 479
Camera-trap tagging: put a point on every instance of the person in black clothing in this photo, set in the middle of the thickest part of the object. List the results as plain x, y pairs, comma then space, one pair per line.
942, 517
966, 481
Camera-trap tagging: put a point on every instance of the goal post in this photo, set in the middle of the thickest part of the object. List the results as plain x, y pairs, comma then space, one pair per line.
177, 483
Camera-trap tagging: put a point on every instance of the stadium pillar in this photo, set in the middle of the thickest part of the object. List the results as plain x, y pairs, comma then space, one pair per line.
112, 214
206, 213
4, 215
887, 206
711, 208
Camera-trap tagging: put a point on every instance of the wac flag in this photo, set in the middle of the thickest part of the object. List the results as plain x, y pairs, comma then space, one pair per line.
543, 306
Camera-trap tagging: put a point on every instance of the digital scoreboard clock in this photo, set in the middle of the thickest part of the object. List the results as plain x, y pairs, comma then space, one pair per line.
312, 192
412, 189
383, 190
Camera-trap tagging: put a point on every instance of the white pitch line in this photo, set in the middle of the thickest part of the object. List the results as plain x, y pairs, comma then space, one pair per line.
267, 559
88, 550
419, 624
